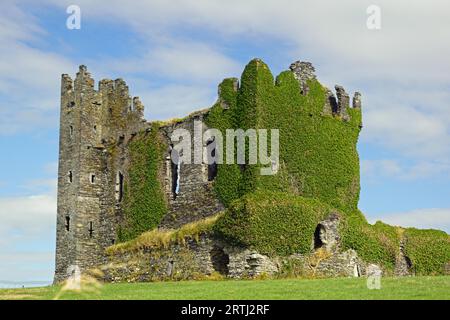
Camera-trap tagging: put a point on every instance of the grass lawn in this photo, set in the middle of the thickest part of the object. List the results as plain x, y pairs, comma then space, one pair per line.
337, 288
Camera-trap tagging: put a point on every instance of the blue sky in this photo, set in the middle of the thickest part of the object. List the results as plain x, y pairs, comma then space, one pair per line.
174, 54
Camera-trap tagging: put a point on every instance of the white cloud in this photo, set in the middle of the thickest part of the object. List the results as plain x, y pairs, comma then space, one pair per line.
183, 60
28, 215
19, 267
27, 227
29, 77
402, 69
175, 101
434, 218
395, 169
190, 71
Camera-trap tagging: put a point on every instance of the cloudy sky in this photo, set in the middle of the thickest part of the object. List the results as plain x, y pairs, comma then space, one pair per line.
173, 55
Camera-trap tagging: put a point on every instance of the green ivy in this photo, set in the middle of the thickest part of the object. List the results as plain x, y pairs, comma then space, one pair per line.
272, 222
429, 250
318, 156
318, 174
144, 203
378, 243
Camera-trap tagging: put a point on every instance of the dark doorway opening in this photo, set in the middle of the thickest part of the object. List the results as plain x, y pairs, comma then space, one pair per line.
318, 236
220, 260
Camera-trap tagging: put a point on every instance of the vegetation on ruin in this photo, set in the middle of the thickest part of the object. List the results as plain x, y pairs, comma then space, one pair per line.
273, 222
318, 173
318, 156
378, 243
144, 203
428, 250
157, 238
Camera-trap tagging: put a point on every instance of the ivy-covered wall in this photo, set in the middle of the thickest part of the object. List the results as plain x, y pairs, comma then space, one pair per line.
144, 203
318, 174
276, 223
318, 156
429, 250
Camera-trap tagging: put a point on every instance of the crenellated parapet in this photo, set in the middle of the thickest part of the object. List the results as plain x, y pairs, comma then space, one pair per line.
337, 105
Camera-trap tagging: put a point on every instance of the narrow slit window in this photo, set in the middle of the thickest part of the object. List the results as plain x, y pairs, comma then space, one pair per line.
119, 186
92, 178
67, 224
212, 165
95, 129
70, 176
70, 131
175, 173
91, 229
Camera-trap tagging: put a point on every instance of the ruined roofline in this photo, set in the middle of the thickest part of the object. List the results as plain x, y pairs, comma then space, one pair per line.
84, 74
303, 71
85, 81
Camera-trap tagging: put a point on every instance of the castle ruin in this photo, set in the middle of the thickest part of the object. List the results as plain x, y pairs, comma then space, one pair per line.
98, 127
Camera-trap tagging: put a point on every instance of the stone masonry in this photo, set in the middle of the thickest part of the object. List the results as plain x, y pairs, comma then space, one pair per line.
96, 126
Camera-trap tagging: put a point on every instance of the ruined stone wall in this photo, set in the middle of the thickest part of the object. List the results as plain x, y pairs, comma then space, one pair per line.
196, 198
195, 259
91, 121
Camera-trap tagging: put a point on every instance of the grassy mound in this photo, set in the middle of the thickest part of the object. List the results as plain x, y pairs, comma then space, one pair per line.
163, 238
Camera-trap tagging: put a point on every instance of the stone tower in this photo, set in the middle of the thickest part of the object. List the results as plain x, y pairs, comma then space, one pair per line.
90, 121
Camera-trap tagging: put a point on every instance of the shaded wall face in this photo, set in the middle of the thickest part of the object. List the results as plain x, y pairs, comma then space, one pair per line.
189, 192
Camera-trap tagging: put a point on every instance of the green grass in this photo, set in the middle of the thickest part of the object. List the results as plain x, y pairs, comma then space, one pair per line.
337, 288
